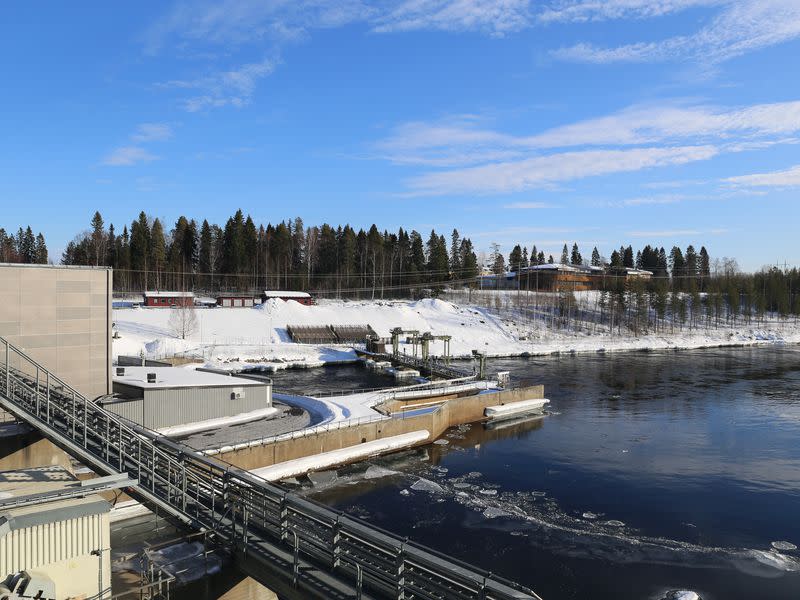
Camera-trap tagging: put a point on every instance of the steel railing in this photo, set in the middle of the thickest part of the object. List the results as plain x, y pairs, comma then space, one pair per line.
258, 520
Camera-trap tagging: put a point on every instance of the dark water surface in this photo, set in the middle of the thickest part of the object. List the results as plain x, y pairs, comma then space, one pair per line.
654, 472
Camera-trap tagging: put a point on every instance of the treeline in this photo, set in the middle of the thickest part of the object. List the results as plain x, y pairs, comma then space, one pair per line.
23, 247
242, 256
636, 306
677, 264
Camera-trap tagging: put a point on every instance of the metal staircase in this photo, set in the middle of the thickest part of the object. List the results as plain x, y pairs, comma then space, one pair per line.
298, 548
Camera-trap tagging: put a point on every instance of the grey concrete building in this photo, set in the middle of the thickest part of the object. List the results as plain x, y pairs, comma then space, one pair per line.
162, 397
61, 316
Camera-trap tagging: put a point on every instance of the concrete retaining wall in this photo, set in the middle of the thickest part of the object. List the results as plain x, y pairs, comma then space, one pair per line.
454, 412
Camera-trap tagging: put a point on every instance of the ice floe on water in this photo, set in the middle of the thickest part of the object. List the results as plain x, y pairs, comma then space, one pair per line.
441, 442
785, 546
680, 595
614, 523
426, 485
493, 513
376, 472
776, 560
537, 519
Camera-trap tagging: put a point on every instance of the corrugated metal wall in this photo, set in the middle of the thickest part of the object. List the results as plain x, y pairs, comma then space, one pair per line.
168, 407
41, 545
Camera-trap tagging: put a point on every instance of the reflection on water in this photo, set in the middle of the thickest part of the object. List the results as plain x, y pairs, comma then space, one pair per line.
653, 472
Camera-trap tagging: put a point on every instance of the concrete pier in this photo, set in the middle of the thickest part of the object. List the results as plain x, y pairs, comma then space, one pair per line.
454, 412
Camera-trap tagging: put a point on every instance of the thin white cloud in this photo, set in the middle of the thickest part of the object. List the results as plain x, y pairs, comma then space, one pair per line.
234, 87
463, 155
649, 200
540, 171
603, 10
495, 17
152, 132
528, 205
246, 21
740, 27
787, 178
461, 140
236, 22
127, 156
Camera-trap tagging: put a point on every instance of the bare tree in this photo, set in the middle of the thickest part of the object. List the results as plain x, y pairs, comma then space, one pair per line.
183, 321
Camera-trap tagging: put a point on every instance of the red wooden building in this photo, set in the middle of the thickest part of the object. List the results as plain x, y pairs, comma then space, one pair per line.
168, 299
235, 300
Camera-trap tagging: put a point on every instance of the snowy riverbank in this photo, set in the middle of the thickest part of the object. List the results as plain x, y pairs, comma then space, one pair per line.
256, 337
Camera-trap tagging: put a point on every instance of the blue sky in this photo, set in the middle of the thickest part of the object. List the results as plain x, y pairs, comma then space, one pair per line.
603, 122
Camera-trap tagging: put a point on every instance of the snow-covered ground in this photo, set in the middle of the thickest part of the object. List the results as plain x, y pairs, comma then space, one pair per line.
238, 337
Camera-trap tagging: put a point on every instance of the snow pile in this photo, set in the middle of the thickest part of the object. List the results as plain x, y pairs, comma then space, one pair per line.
338, 457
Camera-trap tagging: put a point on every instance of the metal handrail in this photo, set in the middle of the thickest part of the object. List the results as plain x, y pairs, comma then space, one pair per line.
241, 509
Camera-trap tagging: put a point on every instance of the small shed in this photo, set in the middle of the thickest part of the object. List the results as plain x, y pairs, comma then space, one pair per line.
52, 546
168, 299
301, 297
161, 397
235, 300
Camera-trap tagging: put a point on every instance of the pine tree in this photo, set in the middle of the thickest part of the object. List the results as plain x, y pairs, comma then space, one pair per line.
616, 260
576, 259
112, 259
41, 250
140, 250
565, 256
627, 258
28, 247
595, 257
515, 259
455, 254
98, 240
705, 263
158, 252
469, 261
204, 263
691, 262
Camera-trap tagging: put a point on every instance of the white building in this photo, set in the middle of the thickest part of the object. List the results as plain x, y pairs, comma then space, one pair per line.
162, 397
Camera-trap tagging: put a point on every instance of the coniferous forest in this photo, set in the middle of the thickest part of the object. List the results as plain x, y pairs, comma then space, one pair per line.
338, 261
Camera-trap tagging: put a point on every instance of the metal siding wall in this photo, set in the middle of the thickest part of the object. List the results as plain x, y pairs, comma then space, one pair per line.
168, 407
40, 545
132, 410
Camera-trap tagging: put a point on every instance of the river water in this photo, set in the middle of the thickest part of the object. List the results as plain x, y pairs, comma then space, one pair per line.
652, 473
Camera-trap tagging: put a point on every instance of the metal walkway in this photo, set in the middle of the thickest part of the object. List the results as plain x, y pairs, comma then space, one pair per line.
298, 548
432, 366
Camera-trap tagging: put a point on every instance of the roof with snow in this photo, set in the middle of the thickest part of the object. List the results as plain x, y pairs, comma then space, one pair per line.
285, 294
159, 294
561, 267
176, 377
